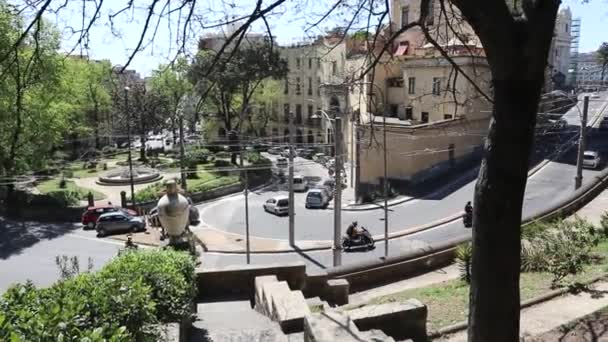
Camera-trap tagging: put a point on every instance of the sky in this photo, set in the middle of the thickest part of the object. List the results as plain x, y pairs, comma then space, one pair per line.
287, 24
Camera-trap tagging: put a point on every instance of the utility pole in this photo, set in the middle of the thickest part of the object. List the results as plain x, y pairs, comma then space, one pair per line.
245, 177
182, 153
129, 145
338, 190
352, 148
385, 184
578, 180
291, 199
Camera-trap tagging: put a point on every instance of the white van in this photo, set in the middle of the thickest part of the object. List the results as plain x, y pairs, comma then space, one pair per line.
299, 183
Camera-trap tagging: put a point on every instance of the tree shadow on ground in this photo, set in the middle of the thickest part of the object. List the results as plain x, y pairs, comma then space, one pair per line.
591, 328
16, 236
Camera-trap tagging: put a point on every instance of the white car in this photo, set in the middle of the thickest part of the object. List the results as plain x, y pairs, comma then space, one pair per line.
299, 183
278, 205
595, 96
591, 159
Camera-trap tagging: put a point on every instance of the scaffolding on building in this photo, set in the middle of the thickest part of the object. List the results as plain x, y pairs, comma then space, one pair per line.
575, 33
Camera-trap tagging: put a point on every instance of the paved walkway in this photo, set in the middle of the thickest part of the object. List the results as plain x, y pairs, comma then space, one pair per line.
549, 315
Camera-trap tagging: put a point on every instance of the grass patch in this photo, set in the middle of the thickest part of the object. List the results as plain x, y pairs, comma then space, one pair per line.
448, 302
78, 170
52, 185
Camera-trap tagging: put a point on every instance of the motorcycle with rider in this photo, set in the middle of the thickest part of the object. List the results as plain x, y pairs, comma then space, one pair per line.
356, 237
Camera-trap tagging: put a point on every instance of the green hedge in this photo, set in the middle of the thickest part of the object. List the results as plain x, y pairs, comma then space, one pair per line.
122, 302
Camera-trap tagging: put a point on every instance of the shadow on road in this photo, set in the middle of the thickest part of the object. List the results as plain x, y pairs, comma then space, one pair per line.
16, 236
309, 258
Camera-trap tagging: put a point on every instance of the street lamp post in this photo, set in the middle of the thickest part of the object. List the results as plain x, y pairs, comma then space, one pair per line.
337, 128
129, 145
578, 180
385, 182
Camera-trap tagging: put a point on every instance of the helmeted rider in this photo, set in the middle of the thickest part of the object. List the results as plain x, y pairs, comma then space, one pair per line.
468, 209
353, 231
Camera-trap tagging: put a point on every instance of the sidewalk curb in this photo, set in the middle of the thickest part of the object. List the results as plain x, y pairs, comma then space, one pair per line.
460, 326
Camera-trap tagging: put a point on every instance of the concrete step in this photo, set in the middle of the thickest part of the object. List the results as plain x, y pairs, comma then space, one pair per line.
228, 321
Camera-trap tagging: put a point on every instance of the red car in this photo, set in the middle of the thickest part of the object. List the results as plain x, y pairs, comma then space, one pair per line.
90, 216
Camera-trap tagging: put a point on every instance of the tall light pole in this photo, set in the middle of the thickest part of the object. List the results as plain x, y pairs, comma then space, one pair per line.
245, 177
338, 188
385, 183
129, 145
182, 152
578, 180
291, 196
337, 128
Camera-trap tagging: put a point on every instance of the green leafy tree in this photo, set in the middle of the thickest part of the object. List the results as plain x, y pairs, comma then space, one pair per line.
228, 83
170, 83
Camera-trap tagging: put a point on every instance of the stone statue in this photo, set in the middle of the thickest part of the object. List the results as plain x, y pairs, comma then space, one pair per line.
173, 212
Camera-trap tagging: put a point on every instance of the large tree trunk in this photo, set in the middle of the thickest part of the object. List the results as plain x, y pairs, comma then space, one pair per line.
499, 193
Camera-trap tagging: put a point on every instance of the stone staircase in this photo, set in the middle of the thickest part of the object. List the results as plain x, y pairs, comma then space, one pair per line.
277, 301
230, 321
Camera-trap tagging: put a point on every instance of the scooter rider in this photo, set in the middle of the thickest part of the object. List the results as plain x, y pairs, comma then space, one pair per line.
468, 209
468, 215
353, 231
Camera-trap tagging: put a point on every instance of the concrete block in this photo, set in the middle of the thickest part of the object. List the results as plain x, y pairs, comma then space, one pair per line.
259, 282
239, 280
336, 291
289, 310
399, 320
377, 336
329, 327
272, 291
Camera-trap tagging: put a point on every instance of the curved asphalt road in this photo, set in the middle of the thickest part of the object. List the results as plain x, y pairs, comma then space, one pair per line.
544, 187
553, 182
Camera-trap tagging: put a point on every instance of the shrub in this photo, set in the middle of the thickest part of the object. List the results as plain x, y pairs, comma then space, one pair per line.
149, 193
604, 224
220, 164
122, 302
169, 274
464, 257
61, 198
562, 250
216, 183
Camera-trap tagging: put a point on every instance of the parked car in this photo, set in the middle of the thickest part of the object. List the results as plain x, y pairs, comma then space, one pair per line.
316, 198
560, 124
282, 162
278, 205
300, 151
193, 215
90, 216
285, 153
274, 150
299, 183
319, 158
308, 153
119, 221
595, 96
591, 159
